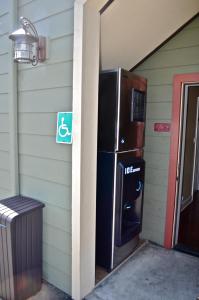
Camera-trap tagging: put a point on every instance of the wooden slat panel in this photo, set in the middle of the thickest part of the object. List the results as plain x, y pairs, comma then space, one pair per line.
193, 24
46, 100
157, 160
4, 179
3, 103
156, 177
46, 76
157, 144
158, 208
165, 76
4, 194
4, 160
4, 123
35, 11
3, 7
61, 49
24, 2
57, 238
3, 84
184, 37
40, 123
45, 191
58, 259
158, 111
50, 170
162, 93
4, 141
4, 43
4, 63
57, 278
58, 218
153, 229
47, 147
4, 21
176, 57
56, 25
155, 192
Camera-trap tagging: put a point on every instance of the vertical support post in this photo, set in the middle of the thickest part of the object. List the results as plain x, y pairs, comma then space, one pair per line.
76, 148
84, 149
13, 107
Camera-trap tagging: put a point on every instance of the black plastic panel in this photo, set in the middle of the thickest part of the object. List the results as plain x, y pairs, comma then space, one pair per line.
126, 225
122, 103
107, 110
129, 197
104, 208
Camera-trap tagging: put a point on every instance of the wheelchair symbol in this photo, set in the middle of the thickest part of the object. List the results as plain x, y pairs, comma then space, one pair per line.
63, 129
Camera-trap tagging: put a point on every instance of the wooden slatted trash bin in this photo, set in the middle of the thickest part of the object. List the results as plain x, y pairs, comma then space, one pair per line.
20, 247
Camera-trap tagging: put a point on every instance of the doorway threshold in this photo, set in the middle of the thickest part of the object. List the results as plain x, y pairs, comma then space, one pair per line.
185, 249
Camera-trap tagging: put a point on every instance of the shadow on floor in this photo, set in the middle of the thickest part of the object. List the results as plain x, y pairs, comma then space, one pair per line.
154, 273
49, 292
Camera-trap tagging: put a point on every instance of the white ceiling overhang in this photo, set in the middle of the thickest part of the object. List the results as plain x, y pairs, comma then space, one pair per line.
131, 29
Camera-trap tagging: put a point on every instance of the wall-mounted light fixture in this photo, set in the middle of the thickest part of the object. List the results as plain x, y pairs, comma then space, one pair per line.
28, 46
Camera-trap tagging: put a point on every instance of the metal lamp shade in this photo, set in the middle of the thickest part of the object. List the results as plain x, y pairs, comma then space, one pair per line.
28, 46
23, 36
23, 43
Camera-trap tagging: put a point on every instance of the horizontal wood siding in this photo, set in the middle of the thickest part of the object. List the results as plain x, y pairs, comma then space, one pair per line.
45, 167
179, 55
5, 188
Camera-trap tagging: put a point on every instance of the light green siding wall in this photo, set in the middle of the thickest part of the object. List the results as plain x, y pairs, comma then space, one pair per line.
179, 55
5, 188
45, 167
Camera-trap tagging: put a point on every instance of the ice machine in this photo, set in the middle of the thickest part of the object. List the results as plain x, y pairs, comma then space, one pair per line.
120, 165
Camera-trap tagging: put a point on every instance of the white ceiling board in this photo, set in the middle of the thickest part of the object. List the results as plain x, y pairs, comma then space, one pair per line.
131, 29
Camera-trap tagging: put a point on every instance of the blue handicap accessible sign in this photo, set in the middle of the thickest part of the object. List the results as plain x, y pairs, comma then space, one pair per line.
64, 127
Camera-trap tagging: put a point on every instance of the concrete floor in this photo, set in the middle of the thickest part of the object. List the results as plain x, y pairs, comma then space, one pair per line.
49, 292
153, 273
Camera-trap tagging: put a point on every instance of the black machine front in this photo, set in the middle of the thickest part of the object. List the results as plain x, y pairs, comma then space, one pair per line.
120, 166
122, 106
129, 192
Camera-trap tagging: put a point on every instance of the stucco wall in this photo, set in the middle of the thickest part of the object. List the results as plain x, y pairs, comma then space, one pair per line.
44, 166
179, 55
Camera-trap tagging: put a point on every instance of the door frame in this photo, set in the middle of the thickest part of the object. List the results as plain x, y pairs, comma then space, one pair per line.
179, 81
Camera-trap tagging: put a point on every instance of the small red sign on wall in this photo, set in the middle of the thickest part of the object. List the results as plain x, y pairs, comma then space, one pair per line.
162, 127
